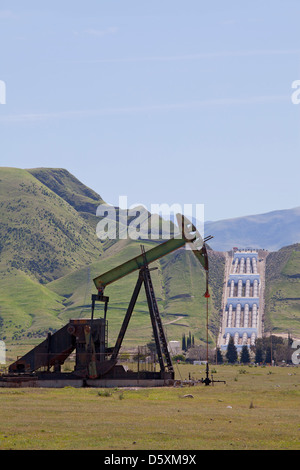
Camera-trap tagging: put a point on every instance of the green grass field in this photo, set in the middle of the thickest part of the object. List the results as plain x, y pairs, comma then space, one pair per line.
257, 408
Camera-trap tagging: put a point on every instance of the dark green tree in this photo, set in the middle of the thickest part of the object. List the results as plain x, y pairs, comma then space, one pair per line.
270, 346
231, 354
268, 358
189, 341
245, 356
258, 355
183, 347
219, 356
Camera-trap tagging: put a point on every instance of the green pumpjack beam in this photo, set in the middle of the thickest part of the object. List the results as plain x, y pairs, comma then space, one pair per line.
189, 235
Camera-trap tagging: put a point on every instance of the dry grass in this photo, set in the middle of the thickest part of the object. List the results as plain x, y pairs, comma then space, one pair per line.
258, 408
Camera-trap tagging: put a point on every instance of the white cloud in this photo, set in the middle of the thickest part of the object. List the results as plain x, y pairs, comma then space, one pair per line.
189, 105
199, 56
101, 32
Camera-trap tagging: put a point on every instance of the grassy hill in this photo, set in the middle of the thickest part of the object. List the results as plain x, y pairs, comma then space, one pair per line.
69, 188
83, 199
283, 291
49, 254
42, 237
41, 234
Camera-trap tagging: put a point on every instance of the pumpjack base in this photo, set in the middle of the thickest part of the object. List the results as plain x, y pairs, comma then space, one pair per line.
119, 378
96, 364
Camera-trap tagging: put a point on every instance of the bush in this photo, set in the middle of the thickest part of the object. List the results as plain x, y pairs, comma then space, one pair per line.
104, 393
179, 357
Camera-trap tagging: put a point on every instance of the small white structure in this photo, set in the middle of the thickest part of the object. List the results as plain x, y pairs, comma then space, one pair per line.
174, 348
2, 353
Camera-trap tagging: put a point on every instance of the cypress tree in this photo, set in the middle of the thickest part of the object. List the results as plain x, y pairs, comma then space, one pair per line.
183, 342
219, 356
268, 359
245, 356
231, 353
189, 341
258, 356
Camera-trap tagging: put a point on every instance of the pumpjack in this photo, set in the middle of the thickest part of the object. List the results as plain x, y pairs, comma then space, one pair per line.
94, 360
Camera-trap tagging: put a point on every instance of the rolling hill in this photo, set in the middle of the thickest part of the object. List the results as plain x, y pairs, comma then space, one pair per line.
49, 254
41, 234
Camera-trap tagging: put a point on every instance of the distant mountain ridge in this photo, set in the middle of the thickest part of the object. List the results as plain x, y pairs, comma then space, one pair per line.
270, 231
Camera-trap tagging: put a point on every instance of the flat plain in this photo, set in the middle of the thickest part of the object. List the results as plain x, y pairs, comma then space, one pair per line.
256, 409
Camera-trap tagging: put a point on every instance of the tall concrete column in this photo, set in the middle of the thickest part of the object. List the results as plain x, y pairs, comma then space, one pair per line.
236, 338
246, 316
255, 288
247, 290
254, 316
240, 288
254, 265
238, 316
252, 339
242, 263
229, 319
248, 265
231, 289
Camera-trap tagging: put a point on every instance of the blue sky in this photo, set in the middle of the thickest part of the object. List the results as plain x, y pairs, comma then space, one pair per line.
162, 101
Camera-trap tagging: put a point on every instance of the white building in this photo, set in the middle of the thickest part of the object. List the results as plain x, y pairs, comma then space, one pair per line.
174, 348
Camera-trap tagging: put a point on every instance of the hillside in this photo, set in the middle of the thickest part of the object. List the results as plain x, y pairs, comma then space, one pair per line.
42, 237
41, 234
50, 254
83, 199
283, 291
69, 188
271, 231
